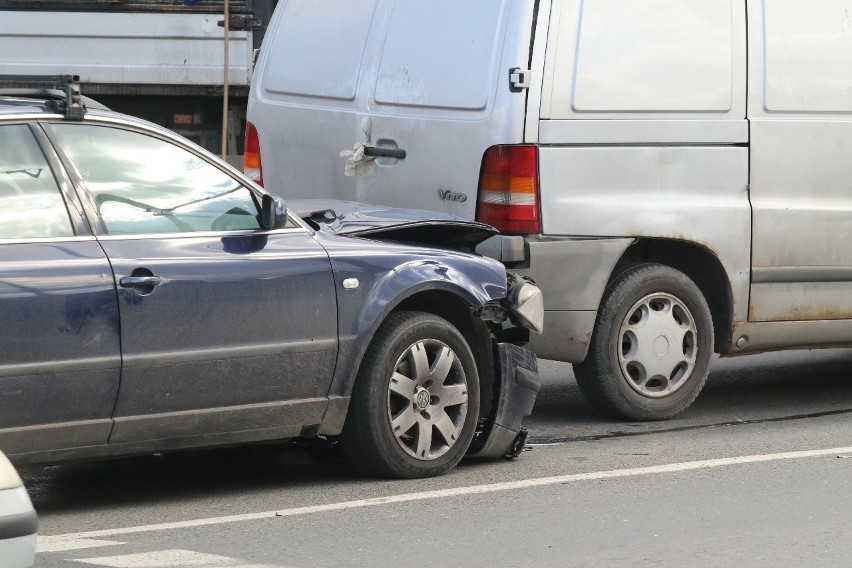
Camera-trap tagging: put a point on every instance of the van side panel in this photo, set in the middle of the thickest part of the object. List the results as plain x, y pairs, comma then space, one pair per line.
629, 59
655, 59
800, 109
696, 194
642, 135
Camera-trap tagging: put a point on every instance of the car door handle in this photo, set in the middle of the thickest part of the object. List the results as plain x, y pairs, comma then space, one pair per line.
397, 153
137, 281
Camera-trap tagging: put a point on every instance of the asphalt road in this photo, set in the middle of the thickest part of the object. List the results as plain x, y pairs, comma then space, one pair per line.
758, 472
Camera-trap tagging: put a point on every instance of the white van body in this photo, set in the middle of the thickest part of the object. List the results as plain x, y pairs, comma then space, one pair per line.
692, 173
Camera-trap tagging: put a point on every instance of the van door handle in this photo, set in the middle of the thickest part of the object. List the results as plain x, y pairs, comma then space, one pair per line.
397, 153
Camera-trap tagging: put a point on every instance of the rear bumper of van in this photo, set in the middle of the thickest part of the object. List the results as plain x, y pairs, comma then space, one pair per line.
572, 273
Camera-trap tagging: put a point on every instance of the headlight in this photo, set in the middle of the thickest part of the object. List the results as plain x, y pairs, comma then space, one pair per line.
526, 303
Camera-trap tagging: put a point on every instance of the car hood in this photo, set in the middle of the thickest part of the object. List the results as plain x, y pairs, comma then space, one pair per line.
391, 224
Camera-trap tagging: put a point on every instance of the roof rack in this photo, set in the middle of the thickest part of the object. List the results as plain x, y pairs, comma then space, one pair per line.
66, 101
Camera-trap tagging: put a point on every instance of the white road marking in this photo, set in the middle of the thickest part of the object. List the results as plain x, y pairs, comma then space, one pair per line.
469, 490
168, 559
64, 543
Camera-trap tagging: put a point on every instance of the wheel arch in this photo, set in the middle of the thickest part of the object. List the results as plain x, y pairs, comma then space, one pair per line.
453, 301
702, 266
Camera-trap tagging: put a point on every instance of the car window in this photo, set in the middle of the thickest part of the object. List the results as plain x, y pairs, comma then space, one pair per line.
31, 205
144, 185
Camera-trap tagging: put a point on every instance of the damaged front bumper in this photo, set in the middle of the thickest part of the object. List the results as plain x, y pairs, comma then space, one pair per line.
501, 433
516, 381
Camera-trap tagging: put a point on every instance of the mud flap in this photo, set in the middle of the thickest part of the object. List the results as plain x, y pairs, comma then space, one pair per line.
502, 433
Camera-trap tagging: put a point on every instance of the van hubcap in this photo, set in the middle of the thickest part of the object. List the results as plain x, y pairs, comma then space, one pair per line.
658, 345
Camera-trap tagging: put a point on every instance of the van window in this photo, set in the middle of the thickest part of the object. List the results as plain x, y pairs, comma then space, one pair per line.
808, 56
440, 54
654, 56
320, 50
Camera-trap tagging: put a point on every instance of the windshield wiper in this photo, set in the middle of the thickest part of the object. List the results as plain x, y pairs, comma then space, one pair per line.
170, 210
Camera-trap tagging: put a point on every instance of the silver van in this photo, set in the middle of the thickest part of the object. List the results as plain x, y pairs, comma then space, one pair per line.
674, 174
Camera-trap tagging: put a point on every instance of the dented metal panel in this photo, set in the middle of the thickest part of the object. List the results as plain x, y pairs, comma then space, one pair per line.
384, 223
696, 194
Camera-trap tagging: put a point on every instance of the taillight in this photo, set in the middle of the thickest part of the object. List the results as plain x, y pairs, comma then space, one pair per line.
251, 155
508, 189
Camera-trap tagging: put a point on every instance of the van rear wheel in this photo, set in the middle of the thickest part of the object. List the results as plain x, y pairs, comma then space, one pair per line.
651, 345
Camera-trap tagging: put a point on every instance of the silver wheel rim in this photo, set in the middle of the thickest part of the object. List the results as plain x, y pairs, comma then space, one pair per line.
427, 399
658, 345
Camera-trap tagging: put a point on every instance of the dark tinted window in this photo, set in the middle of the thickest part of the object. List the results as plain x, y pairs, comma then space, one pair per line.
145, 185
31, 205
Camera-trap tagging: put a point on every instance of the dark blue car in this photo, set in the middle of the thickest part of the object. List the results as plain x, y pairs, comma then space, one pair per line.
154, 299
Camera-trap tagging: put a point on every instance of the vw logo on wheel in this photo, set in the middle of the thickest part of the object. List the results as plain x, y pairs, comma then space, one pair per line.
422, 399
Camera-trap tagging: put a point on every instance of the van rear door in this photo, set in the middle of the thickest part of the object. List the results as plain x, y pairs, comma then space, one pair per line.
427, 81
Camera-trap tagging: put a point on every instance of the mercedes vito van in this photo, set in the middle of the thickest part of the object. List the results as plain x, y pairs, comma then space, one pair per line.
674, 174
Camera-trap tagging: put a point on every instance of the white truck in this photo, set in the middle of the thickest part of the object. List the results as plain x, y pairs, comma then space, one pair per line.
162, 60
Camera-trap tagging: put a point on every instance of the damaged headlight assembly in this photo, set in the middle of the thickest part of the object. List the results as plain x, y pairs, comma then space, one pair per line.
525, 302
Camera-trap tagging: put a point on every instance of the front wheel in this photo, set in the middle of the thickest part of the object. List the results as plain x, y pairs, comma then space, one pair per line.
415, 403
651, 345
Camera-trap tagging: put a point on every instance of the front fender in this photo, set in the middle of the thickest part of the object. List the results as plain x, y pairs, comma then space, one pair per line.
386, 276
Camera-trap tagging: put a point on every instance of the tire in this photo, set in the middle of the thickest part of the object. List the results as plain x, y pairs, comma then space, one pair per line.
407, 419
651, 346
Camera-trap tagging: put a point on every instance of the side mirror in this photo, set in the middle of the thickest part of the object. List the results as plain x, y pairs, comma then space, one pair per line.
273, 212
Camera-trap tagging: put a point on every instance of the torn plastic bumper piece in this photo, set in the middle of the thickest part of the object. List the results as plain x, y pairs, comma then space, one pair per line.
502, 434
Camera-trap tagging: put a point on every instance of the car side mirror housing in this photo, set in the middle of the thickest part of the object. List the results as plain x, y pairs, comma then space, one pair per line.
273, 212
